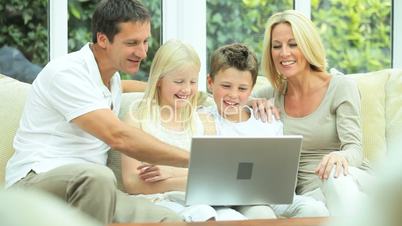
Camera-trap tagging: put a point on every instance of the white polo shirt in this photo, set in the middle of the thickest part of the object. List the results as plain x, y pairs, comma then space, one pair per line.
66, 88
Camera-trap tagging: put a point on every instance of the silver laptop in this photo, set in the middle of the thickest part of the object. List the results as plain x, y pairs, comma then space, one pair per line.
243, 170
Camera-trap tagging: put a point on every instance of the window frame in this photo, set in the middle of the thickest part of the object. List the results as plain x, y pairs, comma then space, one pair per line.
396, 32
186, 20
58, 28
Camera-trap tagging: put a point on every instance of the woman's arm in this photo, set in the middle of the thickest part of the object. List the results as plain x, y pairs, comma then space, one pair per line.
348, 124
347, 110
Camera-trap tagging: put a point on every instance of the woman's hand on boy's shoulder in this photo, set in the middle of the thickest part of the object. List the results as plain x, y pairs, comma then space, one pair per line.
264, 109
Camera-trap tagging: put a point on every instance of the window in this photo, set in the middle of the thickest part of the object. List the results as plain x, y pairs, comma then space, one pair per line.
79, 23
79, 30
240, 21
23, 38
356, 34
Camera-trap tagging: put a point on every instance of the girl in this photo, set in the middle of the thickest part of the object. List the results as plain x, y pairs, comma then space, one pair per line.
168, 111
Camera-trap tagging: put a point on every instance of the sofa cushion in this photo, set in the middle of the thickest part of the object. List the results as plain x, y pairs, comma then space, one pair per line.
12, 95
114, 157
393, 110
372, 90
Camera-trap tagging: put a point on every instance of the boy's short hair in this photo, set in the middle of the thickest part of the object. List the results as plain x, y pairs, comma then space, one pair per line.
234, 55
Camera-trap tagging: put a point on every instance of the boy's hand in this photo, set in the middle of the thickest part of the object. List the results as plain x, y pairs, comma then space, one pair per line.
264, 109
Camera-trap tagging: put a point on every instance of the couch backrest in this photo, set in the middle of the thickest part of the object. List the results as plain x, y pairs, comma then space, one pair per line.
381, 93
372, 91
393, 113
381, 116
12, 98
114, 157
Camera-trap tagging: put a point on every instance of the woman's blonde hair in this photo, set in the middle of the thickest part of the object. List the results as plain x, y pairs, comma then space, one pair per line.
171, 56
308, 41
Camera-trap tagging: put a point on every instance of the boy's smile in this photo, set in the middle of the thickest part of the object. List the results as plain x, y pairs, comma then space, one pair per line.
231, 89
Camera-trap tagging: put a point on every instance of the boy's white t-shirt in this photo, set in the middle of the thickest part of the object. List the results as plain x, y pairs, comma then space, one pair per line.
66, 88
250, 127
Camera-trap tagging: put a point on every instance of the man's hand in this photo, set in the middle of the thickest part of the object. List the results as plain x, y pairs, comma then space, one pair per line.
264, 109
153, 173
329, 161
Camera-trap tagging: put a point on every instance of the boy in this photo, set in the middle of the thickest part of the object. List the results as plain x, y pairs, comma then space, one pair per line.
233, 74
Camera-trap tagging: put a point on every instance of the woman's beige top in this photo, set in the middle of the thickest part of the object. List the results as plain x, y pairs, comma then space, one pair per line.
333, 126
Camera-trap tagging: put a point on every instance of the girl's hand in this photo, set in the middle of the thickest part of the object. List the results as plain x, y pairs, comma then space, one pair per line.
329, 161
153, 173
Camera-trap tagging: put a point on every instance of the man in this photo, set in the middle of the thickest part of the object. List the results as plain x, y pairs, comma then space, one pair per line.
70, 121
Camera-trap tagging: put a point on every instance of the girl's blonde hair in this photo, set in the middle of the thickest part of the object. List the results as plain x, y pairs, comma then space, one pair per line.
308, 41
171, 56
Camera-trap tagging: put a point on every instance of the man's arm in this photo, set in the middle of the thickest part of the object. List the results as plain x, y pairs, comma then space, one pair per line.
131, 141
133, 86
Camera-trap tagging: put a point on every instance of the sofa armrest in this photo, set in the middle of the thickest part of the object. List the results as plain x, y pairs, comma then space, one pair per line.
12, 95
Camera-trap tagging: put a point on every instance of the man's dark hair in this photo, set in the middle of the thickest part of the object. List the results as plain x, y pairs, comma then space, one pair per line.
234, 55
110, 13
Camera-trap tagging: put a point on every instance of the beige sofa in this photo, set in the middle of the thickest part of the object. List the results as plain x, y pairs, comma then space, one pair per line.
381, 93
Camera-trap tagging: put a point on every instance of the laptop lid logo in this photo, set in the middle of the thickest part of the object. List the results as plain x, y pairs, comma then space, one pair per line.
245, 170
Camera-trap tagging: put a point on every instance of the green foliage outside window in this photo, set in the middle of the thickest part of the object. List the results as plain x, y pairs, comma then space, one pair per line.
24, 26
356, 33
80, 23
230, 21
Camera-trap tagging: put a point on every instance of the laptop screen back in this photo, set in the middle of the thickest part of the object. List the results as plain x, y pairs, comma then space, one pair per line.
243, 170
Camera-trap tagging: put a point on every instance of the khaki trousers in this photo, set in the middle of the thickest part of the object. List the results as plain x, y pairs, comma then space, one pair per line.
92, 189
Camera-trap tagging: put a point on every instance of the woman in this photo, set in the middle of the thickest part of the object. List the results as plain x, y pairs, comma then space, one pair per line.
324, 108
